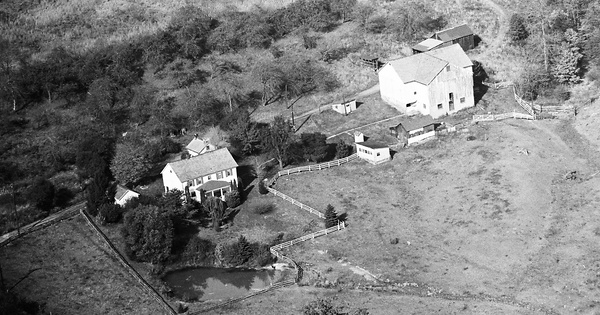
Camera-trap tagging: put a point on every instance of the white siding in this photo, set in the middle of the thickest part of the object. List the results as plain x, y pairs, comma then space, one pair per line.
457, 81
373, 156
128, 196
170, 179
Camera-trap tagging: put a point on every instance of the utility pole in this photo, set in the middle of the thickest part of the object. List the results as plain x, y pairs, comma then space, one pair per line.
14, 205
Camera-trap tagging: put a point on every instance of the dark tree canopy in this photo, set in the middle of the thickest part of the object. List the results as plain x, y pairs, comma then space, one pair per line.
148, 234
517, 30
41, 193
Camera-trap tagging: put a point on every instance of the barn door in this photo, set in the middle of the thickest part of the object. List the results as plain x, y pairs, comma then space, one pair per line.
451, 101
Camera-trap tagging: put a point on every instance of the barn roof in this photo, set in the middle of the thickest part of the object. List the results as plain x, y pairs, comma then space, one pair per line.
373, 144
421, 68
203, 164
416, 122
454, 33
424, 67
454, 54
427, 44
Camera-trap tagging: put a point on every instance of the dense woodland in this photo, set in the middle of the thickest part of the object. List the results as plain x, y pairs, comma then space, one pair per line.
83, 105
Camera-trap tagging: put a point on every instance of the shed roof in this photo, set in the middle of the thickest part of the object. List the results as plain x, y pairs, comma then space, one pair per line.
454, 54
197, 145
454, 33
427, 44
121, 191
373, 144
203, 164
416, 122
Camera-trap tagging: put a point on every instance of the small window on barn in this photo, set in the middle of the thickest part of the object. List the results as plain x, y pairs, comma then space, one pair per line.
424, 106
208, 177
462, 99
439, 106
415, 92
447, 68
378, 154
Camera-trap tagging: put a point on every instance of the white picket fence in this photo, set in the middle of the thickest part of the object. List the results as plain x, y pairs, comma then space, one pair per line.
340, 226
318, 167
493, 117
296, 202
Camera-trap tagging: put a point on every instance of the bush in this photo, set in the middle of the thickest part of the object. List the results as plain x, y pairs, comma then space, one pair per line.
262, 189
148, 234
41, 193
264, 208
109, 213
233, 199
331, 217
342, 150
198, 251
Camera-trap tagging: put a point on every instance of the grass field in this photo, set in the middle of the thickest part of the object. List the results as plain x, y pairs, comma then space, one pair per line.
77, 273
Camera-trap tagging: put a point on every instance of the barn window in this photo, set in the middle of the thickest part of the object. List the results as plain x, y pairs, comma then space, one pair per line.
378, 154
439, 106
415, 92
447, 68
462, 99
424, 106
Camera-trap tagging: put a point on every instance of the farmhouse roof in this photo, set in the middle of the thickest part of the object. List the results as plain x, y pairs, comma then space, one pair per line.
121, 191
454, 33
421, 68
203, 164
454, 54
213, 185
373, 144
197, 145
427, 44
416, 122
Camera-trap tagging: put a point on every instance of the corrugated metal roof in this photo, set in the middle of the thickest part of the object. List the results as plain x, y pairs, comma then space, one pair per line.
454, 33
203, 164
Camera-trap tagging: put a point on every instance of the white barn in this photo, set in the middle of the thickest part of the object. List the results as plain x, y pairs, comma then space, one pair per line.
212, 174
436, 83
373, 152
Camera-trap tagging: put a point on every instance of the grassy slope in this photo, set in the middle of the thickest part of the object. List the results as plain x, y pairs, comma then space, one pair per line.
78, 275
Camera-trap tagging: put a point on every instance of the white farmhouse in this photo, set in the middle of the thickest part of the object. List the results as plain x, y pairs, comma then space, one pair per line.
436, 83
210, 174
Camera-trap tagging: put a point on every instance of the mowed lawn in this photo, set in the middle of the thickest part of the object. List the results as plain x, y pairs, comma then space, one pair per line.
490, 216
77, 274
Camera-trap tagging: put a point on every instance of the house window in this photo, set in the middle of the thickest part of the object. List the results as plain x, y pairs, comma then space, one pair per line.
462, 99
415, 92
439, 106
199, 181
219, 175
190, 183
208, 177
424, 106
447, 68
228, 172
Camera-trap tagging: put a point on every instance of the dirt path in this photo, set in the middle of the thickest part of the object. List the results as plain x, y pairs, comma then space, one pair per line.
366, 125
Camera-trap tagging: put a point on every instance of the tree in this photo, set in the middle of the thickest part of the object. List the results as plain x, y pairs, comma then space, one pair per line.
567, 66
342, 8
41, 193
148, 234
243, 132
262, 189
281, 137
322, 307
216, 208
130, 163
331, 217
517, 31
96, 192
242, 251
109, 213
342, 150
190, 28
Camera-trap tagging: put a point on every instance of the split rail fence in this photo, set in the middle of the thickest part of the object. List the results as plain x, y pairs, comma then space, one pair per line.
493, 117
45, 222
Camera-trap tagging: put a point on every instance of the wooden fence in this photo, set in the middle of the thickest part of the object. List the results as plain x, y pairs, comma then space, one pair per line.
318, 167
544, 111
493, 117
147, 287
296, 202
340, 226
45, 222
527, 106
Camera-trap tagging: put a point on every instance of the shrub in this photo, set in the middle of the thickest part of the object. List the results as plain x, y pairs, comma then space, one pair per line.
109, 213
262, 255
262, 189
233, 199
148, 234
41, 193
264, 208
342, 150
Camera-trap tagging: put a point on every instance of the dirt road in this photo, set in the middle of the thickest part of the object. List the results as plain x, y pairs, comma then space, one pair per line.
372, 90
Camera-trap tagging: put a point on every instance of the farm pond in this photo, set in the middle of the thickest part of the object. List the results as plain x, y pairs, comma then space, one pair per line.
208, 283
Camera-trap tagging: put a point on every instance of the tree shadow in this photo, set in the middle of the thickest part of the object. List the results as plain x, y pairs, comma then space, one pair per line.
232, 214
479, 91
392, 153
477, 40
343, 217
359, 104
246, 174
302, 124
